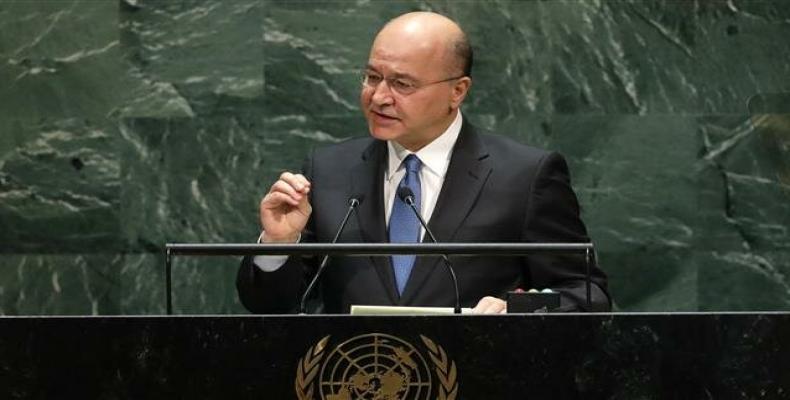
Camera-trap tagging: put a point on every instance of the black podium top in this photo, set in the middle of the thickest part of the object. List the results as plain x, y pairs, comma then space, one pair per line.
590, 356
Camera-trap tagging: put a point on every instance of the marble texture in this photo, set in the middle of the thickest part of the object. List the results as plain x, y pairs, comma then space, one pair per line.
60, 284
128, 124
59, 174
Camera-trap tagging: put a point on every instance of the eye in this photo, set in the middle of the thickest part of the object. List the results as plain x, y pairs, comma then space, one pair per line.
371, 79
400, 84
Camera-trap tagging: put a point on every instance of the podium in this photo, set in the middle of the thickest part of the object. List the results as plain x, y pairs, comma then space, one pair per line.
538, 356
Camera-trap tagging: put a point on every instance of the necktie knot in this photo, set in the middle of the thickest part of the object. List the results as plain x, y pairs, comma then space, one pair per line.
412, 163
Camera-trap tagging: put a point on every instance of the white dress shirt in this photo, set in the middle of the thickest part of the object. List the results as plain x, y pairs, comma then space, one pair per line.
435, 158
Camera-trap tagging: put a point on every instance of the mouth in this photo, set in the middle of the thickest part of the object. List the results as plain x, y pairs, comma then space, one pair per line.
382, 117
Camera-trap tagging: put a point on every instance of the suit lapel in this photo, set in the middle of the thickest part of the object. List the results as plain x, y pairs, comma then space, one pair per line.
367, 179
467, 173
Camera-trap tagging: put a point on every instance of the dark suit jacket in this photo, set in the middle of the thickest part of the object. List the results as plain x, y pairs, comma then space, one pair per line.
495, 190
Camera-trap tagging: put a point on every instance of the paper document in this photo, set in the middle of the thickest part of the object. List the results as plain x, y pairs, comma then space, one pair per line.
395, 310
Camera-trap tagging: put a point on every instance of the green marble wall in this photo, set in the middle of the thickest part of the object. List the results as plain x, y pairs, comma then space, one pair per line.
128, 124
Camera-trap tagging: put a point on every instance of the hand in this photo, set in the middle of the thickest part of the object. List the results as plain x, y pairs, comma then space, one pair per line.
490, 305
284, 211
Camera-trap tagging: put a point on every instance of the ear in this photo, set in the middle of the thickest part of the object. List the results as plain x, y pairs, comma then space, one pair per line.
459, 91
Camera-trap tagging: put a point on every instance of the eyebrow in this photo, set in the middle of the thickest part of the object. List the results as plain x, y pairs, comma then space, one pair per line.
397, 75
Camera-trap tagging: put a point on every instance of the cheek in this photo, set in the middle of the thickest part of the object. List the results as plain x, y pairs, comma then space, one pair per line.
364, 98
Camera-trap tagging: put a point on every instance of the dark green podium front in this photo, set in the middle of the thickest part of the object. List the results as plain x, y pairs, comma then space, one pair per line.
573, 356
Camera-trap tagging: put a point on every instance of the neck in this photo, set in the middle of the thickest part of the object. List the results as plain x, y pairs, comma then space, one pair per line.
415, 145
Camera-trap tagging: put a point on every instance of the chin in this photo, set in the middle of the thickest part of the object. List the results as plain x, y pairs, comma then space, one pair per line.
384, 133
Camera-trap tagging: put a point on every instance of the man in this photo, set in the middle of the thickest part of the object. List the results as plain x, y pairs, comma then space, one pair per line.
470, 187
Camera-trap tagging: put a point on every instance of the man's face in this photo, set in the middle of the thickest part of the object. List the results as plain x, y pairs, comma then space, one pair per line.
414, 119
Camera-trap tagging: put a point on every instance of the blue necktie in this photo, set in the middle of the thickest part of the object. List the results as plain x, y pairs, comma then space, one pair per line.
404, 225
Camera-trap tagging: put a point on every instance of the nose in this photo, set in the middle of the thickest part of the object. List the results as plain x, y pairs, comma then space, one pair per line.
382, 94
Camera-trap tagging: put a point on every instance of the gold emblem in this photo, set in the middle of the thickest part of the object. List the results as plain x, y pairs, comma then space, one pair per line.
376, 366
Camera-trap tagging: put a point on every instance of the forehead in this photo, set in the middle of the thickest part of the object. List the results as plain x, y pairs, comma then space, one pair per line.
402, 57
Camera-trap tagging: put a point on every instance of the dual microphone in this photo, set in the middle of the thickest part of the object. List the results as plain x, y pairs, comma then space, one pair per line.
407, 196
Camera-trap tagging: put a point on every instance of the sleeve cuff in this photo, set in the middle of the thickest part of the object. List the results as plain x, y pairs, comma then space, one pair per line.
270, 263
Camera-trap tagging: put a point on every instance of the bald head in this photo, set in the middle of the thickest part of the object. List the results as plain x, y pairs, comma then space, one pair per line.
436, 33
415, 79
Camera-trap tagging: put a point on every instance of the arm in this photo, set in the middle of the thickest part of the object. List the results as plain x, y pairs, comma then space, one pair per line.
553, 216
275, 292
284, 215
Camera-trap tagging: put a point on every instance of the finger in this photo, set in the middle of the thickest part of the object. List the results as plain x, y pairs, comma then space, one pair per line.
305, 207
297, 181
476, 309
303, 180
277, 199
498, 308
482, 305
493, 305
493, 308
286, 188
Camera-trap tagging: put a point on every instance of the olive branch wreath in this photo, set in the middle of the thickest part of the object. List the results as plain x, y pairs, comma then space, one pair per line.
448, 388
308, 369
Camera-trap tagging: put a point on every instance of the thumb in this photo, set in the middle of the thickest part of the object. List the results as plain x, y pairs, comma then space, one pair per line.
304, 206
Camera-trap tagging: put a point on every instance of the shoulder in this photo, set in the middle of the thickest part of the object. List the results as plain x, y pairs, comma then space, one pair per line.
514, 159
503, 149
502, 144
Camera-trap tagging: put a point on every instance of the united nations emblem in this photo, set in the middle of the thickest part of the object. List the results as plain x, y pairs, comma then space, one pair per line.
376, 366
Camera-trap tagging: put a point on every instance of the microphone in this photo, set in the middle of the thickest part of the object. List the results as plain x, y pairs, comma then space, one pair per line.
353, 202
407, 196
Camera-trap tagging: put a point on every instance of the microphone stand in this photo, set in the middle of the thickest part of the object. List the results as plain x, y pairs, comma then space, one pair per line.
352, 204
407, 196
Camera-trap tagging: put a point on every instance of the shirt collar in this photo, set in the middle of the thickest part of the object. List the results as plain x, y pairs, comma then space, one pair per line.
435, 156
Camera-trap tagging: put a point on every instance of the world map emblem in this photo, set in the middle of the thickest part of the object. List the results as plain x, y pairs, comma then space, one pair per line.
376, 366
